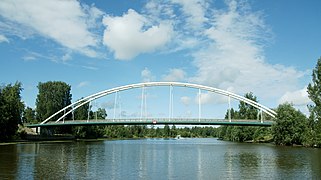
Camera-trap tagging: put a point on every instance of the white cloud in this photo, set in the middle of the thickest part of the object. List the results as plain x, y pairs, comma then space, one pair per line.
147, 75
66, 57
175, 75
133, 34
234, 58
89, 67
3, 39
10, 28
194, 10
34, 56
185, 100
227, 47
66, 22
297, 98
210, 98
108, 105
83, 84
29, 57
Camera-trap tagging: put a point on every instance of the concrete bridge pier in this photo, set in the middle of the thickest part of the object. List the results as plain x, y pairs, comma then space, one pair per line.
46, 131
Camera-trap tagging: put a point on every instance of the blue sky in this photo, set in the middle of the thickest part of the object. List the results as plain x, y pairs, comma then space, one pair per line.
265, 47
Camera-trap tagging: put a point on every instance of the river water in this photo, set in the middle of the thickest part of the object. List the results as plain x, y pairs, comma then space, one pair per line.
157, 159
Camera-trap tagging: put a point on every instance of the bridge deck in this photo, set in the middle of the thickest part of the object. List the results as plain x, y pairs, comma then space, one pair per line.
155, 121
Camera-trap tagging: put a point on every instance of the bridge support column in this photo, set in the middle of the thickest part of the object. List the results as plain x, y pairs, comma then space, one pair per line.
229, 109
145, 104
171, 99
199, 105
88, 111
115, 105
261, 114
63, 120
142, 110
73, 113
38, 130
46, 131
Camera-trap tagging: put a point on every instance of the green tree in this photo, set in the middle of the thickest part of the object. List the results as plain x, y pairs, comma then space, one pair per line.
262, 134
240, 133
29, 115
82, 112
52, 96
247, 111
173, 131
314, 91
167, 131
11, 109
234, 114
100, 113
290, 126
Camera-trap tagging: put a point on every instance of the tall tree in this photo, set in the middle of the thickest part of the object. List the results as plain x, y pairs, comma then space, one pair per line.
83, 112
241, 133
314, 91
52, 96
290, 126
29, 115
11, 109
247, 111
167, 130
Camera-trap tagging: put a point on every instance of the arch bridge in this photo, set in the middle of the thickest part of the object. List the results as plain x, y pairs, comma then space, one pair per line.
59, 118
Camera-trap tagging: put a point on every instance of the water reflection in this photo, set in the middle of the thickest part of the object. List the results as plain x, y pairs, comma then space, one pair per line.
9, 160
297, 163
157, 159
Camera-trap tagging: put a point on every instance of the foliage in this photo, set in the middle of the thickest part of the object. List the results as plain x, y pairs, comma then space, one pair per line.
290, 126
244, 133
135, 131
29, 116
314, 91
100, 114
247, 111
263, 134
83, 112
11, 109
52, 96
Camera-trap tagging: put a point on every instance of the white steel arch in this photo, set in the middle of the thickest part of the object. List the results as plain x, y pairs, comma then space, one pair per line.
100, 94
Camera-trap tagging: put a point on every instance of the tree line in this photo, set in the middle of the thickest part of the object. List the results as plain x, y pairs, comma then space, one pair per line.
291, 126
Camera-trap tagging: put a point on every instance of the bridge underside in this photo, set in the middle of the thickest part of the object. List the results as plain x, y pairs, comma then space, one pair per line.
163, 121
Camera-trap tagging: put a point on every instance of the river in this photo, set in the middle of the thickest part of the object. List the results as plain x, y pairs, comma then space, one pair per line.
157, 159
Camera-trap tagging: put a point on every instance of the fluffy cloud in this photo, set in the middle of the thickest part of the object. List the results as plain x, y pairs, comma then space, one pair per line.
147, 75
185, 100
133, 34
50, 18
234, 58
3, 39
66, 57
210, 98
194, 10
297, 98
227, 47
175, 75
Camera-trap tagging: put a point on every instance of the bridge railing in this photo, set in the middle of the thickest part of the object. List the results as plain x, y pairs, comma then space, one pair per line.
156, 120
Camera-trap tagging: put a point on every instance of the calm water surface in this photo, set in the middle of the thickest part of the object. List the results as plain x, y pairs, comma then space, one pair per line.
157, 159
